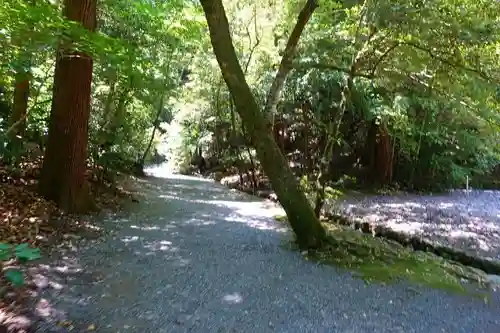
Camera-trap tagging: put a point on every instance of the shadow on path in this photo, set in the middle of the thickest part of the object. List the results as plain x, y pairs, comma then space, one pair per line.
469, 222
194, 256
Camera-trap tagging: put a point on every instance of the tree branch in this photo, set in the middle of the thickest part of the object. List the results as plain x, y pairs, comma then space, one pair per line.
383, 56
451, 63
257, 41
314, 65
434, 56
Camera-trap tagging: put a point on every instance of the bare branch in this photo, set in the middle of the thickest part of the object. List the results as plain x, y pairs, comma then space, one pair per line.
257, 41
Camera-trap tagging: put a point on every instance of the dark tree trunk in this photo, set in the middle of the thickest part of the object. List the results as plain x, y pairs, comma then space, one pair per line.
20, 105
63, 173
383, 156
17, 119
21, 93
307, 228
379, 150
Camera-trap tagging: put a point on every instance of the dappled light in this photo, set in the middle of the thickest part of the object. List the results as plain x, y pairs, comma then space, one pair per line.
146, 237
475, 230
176, 245
233, 298
138, 140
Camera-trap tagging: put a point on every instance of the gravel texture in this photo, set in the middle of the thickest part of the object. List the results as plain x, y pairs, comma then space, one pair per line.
469, 221
197, 257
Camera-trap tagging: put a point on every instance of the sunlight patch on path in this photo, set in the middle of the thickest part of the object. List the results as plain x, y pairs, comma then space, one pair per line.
166, 170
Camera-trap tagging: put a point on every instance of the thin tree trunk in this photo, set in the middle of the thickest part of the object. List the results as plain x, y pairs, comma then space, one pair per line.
384, 156
142, 161
239, 162
20, 107
332, 137
63, 173
17, 120
286, 62
21, 93
307, 228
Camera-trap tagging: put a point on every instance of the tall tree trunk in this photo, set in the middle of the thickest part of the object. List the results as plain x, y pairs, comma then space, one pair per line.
307, 228
17, 119
384, 156
20, 105
21, 91
63, 173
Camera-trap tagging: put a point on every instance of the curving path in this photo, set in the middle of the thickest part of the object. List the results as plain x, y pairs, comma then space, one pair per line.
197, 257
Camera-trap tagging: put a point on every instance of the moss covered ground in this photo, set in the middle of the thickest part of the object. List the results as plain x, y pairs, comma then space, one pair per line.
380, 260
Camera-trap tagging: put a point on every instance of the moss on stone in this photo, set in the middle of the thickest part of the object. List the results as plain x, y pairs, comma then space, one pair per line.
386, 261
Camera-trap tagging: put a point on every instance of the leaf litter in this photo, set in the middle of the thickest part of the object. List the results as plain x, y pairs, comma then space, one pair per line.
37, 223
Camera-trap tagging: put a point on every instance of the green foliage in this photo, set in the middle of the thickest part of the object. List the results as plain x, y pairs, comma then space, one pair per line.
139, 53
22, 253
310, 187
426, 72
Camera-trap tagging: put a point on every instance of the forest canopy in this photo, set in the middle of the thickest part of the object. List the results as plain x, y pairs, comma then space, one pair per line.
380, 93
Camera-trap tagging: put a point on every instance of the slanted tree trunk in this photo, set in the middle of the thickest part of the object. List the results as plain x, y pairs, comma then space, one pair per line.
307, 228
139, 168
63, 172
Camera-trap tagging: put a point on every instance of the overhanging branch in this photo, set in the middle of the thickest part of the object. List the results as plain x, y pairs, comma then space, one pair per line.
314, 65
434, 56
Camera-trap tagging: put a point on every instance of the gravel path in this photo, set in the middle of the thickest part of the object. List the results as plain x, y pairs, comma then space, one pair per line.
469, 221
197, 257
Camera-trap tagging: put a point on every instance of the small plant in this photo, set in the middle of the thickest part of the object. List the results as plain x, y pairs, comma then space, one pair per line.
310, 188
22, 253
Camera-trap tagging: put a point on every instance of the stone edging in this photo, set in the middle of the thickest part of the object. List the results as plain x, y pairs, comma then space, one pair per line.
418, 244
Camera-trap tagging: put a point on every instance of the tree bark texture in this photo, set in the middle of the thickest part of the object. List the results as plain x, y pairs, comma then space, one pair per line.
64, 167
384, 156
20, 106
307, 228
17, 126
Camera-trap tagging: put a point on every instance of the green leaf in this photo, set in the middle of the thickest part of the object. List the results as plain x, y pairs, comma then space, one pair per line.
28, 254
15, 277
5, 255
5, 251
5, 247
21, 247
